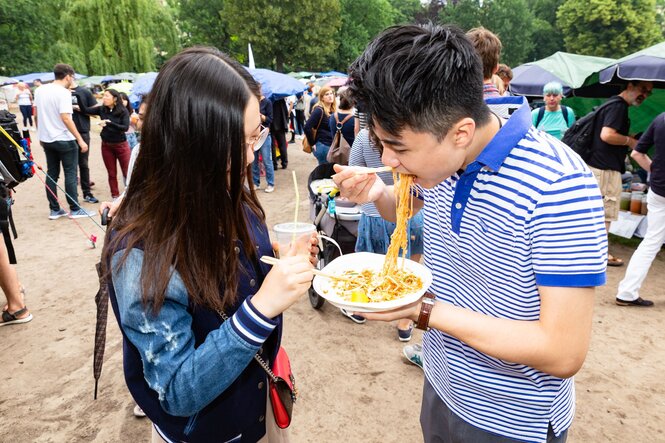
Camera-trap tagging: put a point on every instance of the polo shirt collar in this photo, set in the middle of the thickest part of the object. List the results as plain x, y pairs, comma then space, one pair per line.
514, 130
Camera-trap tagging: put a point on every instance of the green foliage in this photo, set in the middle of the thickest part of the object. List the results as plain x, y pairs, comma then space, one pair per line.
361, 22
298, 34
608, 28
547, 37
202, 24
117, 36
511, 20
25, 28
406, 11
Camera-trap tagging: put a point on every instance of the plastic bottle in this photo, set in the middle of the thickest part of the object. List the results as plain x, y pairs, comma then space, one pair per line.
644, 205
636, 202
624, 203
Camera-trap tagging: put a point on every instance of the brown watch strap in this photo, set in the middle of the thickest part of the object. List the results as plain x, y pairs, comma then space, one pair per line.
426, 306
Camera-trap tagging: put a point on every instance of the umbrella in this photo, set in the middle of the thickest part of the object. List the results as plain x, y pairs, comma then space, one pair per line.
123, 76
93, 80
6, 81
302, 74
333, 74
125, 87
102, 302
337, 82
276, 85
570, 70
142, 86
647, 64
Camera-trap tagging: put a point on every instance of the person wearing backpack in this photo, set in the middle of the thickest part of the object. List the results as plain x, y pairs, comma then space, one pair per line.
609, 145
553, 118
342, 121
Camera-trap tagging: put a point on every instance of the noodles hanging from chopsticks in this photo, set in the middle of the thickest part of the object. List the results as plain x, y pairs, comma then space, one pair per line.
399, 238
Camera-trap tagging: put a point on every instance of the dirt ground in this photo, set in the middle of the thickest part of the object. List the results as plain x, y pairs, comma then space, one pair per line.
354, 384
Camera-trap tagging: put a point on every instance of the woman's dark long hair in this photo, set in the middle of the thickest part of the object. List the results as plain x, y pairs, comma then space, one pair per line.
186, 206
119, 107
124, 98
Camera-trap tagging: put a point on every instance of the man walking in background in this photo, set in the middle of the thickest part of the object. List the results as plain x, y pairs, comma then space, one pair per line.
59, 137
640, 262
609, 145
81, 100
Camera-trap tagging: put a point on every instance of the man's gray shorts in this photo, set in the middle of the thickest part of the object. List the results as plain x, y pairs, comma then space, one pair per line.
441, 425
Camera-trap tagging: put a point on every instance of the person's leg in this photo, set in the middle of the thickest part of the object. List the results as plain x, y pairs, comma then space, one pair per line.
266, 153
300, 120
273, 149
283, 146
109, 161
84, 170
70, 161
15, 311
321, 152
26, 111
53, 174
640, 262
609, 184
123, 152
256, 169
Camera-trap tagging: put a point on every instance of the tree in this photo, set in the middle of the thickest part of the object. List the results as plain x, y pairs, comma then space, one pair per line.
608, 28
122, 35
361, 21
499, 16
547, 37
25, 27
407, 11
202, 24
298, 34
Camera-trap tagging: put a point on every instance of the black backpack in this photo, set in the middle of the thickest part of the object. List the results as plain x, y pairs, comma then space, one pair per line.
15, 157
580, 136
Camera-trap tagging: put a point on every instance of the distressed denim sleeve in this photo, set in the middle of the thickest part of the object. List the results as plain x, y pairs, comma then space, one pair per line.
186, 379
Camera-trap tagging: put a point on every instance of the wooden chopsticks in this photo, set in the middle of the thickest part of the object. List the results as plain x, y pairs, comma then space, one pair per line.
363, 170
273, 261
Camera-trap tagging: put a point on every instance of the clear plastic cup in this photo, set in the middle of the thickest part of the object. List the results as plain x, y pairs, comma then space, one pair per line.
285, 233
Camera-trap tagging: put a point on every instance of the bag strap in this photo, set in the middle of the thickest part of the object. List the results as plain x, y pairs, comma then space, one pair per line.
541, 114
564, 112
323, 112
258, 359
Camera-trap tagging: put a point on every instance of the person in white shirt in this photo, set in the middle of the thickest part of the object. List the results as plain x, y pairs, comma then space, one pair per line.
58, 136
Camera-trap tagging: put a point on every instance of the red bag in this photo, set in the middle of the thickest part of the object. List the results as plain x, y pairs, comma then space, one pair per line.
283, 393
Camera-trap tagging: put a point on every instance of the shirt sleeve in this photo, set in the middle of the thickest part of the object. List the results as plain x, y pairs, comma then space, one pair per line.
568, 235
534, 116
186, 379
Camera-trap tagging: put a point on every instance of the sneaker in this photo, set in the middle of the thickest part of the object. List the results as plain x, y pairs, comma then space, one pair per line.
405, 334
269, 189
80, 213
57, 214
257, 187
90, 199
138, 412
414, 353
355, 318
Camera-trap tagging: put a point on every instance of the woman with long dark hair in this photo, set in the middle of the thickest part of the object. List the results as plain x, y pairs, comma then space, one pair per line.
115, 149
193, 301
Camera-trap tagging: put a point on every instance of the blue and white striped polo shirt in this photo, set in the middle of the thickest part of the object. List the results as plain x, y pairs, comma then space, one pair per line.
527, 212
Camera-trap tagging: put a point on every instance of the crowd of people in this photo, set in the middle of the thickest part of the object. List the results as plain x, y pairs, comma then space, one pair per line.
511, 222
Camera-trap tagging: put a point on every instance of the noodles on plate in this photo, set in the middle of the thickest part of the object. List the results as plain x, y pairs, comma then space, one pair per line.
393, 281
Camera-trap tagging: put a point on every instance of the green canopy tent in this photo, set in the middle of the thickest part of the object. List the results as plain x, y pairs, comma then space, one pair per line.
571, 70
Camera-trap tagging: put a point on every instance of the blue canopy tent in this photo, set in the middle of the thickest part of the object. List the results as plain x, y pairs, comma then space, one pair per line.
275, 85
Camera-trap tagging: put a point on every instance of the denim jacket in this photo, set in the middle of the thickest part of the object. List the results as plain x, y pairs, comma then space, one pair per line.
192, 374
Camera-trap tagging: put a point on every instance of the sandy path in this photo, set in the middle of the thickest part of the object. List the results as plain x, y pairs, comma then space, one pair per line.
354, 384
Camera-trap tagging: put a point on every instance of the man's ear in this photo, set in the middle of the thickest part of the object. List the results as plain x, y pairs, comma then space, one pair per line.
463, 132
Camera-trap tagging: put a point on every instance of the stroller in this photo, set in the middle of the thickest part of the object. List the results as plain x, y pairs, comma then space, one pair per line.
333, 217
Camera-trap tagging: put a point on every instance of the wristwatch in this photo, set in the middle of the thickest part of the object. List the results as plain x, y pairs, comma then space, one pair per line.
426, 305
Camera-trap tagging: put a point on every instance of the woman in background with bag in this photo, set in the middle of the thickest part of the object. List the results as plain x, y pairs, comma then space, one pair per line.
343, 120
317, 130
194, 303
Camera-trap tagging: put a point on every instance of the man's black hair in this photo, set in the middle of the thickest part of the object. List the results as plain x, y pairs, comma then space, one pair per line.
62, 70
425, 78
